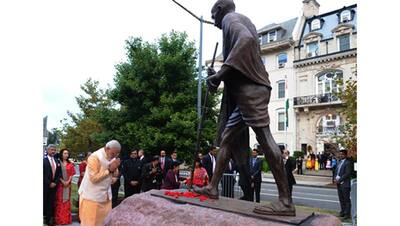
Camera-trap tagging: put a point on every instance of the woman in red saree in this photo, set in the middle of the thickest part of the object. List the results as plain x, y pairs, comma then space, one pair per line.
62, 214
200, 176
82, 168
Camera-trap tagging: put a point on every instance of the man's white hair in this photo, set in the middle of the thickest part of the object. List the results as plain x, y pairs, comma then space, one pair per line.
51, 146
113, 144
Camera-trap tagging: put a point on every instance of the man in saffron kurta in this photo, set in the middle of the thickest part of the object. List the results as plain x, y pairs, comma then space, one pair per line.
95, 190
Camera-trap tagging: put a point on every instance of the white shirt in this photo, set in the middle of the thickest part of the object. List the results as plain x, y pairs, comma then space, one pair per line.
213, 162
52, 162
338, 169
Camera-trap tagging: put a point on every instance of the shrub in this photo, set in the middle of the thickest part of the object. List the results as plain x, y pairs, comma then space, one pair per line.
265, 166
296, 154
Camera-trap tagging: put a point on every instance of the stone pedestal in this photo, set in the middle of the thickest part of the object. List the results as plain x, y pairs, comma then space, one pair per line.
151, 208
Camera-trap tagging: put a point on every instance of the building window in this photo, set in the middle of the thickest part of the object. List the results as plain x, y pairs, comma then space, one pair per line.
329, 124
263, 39
345, 16
260, 40
343, 42
271, 36
281, 89
281, 121
327, 82
315, 24
282, 59
312, 49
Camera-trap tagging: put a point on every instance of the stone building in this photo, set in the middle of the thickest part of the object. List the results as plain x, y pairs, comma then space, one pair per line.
277, 52
325, 53
303, 57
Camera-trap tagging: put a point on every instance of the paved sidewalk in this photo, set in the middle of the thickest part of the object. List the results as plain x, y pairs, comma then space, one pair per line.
322, 173
304, 180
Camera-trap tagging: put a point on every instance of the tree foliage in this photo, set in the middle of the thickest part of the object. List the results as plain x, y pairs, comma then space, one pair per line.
79, 134
152, 105
348, 130
156, 88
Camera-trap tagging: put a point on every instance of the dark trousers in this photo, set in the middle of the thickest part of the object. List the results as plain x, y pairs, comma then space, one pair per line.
256, 189
290, 189
49, 200
299, 170
130, 190
344, 199
244, 179
228, 183
114, 191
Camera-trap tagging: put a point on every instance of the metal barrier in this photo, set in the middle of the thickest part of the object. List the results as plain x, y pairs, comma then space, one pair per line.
353, 199
229, 186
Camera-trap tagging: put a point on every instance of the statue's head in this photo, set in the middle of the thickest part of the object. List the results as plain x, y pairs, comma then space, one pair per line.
220, 9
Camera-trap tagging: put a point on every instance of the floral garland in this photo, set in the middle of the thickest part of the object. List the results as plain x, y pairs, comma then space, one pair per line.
187, 194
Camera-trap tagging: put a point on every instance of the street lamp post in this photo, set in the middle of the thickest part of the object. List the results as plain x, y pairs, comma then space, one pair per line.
200, 70
200, 67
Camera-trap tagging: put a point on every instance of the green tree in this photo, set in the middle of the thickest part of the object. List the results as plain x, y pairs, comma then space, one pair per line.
156, 90
348, 130
54, 136
79, 135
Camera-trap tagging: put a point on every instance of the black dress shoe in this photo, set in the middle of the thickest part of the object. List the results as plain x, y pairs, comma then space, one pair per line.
340, 215
50, 222
346, 217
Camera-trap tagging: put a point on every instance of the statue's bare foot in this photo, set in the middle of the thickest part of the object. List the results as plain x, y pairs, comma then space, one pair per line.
208, 191
276, 208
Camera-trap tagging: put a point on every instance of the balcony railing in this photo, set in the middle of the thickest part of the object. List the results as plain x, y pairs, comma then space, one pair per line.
315, 99
325, 130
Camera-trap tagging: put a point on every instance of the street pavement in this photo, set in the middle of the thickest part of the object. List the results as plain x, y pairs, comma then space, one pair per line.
315, 197
320, 180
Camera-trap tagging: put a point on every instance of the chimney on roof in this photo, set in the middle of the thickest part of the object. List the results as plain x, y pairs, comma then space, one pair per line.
310, 8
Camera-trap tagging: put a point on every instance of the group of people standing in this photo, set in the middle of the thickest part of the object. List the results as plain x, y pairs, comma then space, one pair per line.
57, 178
321, 161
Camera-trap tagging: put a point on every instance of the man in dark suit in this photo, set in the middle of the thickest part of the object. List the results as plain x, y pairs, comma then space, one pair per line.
299, 164
142, 157
342, 179
255, 172
290, 166
51, 177
165, 163
131, 170
115, 184
209, 162
228, 180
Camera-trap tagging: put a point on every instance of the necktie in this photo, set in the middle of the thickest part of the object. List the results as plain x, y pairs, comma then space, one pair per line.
162, 163
53, 166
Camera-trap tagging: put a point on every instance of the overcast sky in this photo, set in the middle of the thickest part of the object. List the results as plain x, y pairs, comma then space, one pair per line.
82, 39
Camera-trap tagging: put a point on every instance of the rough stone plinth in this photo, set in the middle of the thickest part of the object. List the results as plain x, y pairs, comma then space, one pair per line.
146, 209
